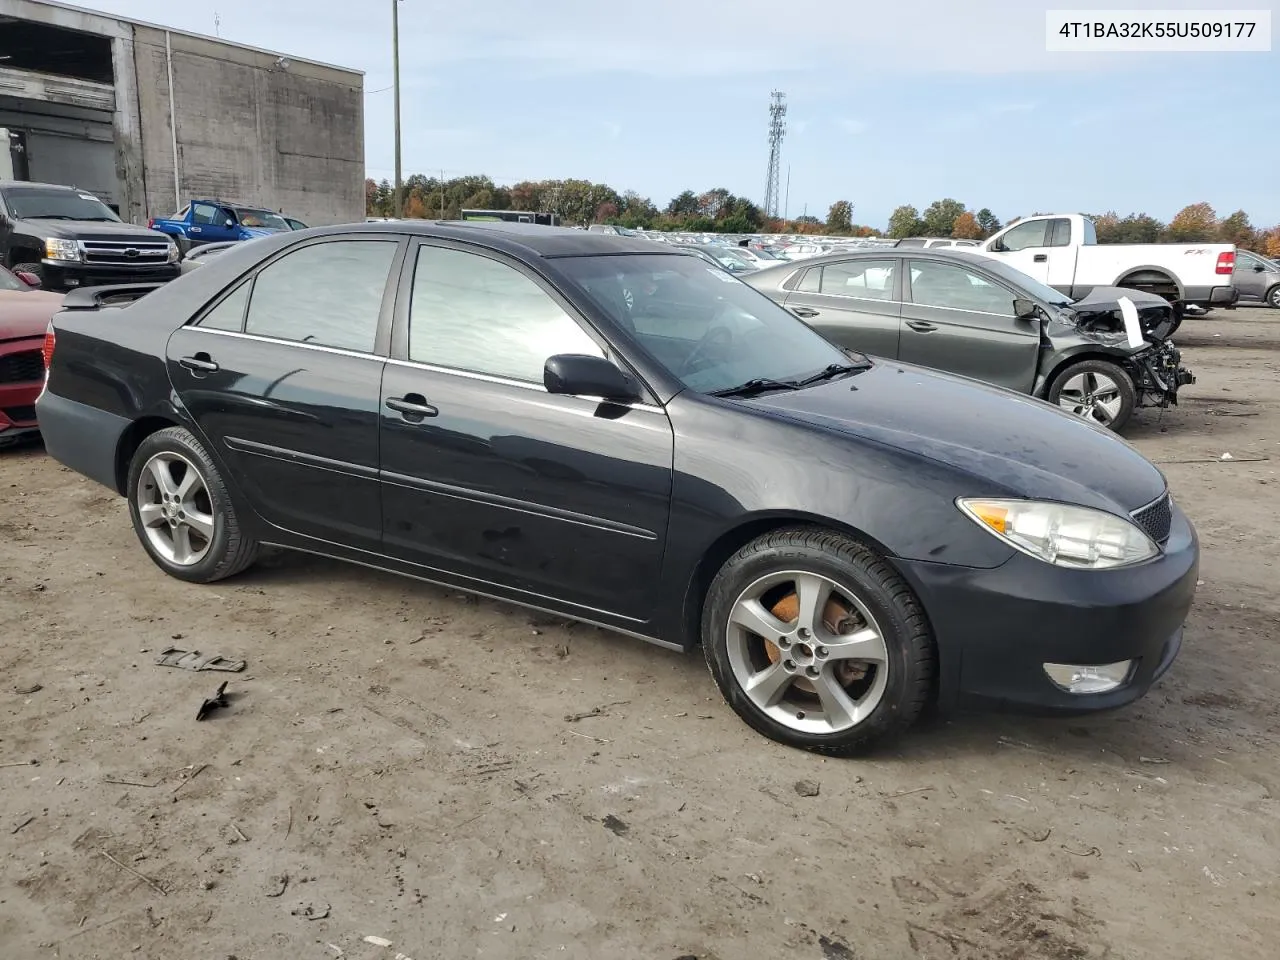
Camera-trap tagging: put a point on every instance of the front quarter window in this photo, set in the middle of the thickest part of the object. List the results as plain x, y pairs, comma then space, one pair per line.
708, 329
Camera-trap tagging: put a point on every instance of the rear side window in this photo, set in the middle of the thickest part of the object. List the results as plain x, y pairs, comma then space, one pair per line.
229, 314
866, 279
811, 282
328, 294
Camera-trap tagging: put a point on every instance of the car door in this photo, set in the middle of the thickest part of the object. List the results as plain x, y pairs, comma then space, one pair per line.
553, 500
282, 375
1026, 247
959, 319
1251, 276
855, 303
208, 224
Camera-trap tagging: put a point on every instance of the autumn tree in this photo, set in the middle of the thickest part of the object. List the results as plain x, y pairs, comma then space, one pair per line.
966, 227
1269, 243
940, 217
987, 222
905, 222
840, 218
1196, 223
414, 207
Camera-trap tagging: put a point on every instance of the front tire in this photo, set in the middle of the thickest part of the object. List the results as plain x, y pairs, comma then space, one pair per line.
1097, 391
817, 643
1273, 296
182, 511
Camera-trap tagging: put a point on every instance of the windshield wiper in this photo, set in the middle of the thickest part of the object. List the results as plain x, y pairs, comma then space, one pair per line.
754, 386
833, 370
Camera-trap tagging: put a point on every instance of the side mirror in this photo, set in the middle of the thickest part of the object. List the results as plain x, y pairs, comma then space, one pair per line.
30, 279
581, 375
1025, 309
1259, 268
228, 222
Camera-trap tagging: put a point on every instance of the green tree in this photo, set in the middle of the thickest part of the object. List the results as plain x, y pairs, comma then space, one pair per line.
940, 217
840, 218
987, 222
1238, 230
684, 205
905, 222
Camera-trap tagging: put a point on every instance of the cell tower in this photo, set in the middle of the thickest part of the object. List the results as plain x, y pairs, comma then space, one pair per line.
777, 130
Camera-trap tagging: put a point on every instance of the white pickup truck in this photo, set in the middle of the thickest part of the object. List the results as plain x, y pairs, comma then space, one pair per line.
1062, 250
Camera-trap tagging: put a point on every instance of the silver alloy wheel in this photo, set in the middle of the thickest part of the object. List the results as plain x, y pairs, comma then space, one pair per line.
1094, 396
175, 509
817, 679
1274, 297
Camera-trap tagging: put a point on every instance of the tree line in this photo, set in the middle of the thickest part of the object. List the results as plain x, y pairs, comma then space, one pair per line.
581, 202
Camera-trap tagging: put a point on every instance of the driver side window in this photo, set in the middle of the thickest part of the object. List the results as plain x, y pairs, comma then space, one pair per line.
204, 214
944, 285
1025, 235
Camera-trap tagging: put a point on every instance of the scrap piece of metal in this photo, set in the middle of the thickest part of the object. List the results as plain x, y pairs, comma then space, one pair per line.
219, 699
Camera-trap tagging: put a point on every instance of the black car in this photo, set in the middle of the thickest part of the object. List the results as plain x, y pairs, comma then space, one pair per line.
71, 239
594, 426
979, 317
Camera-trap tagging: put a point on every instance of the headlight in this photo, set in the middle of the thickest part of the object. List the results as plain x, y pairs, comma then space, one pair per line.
1063, 535
56, 248
173, 252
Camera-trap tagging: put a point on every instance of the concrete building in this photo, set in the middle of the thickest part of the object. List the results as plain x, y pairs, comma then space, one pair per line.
146, 117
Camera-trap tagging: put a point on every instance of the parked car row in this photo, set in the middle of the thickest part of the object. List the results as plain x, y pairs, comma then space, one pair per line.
628, 435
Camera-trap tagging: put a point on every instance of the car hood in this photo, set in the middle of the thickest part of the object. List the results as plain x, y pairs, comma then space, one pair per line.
1021, 447
26, 313
1099, 313
92, 230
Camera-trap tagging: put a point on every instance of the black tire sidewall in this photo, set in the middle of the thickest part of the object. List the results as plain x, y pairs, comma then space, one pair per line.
1128, 392
179, 441
1272, 298
737, 576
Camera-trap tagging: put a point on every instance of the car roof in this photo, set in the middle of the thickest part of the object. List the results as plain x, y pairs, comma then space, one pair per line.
35, 183
960, 254
529, 239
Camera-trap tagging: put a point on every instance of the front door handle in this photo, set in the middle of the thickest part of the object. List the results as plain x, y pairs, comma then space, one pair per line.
921, 326
804, 312
413, 407
200, 363
1040, 258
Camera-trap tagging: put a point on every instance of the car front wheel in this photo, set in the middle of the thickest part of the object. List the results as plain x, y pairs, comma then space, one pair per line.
182, 511
1095, 390
1273, 296
816, 642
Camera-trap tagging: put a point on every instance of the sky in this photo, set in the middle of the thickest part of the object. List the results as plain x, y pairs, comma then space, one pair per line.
888, 103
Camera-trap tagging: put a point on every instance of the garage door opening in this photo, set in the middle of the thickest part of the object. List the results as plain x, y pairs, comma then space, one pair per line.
26, 45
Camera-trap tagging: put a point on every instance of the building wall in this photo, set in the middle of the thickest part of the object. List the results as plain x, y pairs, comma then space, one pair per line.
288, 137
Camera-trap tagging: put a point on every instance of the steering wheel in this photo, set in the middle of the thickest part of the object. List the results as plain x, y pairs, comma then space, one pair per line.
716, 340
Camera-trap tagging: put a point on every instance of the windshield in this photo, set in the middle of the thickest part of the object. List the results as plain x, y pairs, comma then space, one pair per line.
1040, 291
9, 282
708, 329
37, 203
263, 219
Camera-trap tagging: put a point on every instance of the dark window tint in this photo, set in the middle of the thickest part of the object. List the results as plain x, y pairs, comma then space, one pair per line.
1024, 235
943, 285
1060, 233
328, 294
867, 279
811, 282
472, 313
229, 314
204, 214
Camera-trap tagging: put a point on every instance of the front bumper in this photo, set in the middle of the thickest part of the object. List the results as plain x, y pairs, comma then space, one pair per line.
60, 276
997, 628
21, 379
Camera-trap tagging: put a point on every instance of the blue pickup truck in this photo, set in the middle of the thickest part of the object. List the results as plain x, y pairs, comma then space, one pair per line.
215, 221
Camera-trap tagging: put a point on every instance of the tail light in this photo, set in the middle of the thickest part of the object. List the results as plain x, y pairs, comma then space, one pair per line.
46, 352
151, 222
1227, 262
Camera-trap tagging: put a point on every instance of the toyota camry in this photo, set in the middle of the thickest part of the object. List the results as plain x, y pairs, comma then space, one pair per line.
623, 434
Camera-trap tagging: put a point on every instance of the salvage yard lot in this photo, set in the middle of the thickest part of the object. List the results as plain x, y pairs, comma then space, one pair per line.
463, 778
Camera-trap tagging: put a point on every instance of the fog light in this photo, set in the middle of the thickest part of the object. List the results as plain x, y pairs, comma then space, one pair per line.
1088, 678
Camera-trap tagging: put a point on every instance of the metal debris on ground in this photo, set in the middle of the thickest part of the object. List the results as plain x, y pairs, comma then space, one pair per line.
593, 712
378, 941
219, 699
21, 763
195, 660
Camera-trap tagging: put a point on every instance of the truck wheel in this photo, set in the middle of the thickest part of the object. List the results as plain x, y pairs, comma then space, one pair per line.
1273, 296
1096, 390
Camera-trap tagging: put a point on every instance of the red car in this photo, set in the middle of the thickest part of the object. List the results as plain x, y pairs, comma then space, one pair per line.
24, 317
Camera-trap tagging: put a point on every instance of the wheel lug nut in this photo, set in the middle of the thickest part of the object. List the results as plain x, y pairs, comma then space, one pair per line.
803, 631
784, 643
789, 666
811, 671
822, 651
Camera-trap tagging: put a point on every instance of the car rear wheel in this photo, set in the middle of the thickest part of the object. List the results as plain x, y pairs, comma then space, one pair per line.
1273, 296
182, 511
816, 642
1097, 391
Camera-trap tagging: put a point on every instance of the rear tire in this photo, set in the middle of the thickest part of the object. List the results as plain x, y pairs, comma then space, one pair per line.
182, 511
851, 659
1273, 297
1097, 391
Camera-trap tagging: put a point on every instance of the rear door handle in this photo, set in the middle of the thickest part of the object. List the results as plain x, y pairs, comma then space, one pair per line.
200, 363
921, 326
413, 407
1040, 258
804, 312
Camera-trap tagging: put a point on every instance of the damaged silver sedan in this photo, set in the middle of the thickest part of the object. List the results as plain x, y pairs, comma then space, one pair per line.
978, 317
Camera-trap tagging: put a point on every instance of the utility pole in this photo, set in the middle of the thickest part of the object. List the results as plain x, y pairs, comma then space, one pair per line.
398, 204
786, 204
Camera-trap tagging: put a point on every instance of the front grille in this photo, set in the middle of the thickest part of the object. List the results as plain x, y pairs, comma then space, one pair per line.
1156, 518
22, 367
142, 253
19, 414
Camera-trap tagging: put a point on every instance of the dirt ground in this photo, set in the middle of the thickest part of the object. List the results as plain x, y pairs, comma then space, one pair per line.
403, 763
